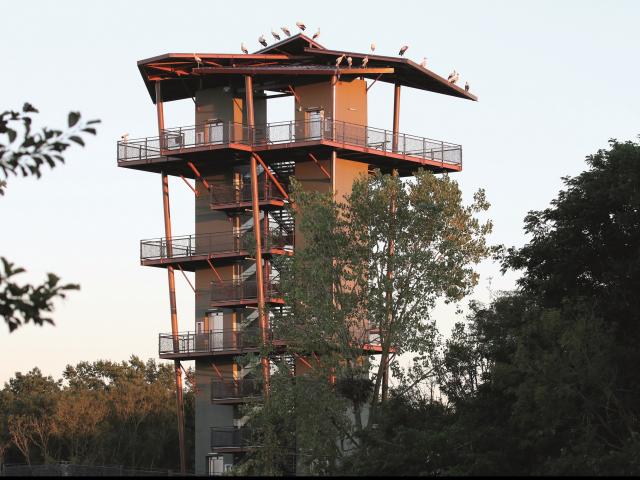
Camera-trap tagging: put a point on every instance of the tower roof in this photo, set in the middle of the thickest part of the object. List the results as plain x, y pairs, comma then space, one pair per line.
296, 60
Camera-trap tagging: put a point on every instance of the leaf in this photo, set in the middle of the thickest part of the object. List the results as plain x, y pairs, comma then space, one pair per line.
73, 118
90, 130
76, 139
12, 134
27, 107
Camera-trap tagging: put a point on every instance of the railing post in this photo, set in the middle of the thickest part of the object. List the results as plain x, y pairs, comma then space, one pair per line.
424, 148
442, 153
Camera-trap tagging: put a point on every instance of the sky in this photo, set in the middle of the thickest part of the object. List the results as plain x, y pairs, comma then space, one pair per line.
555, 81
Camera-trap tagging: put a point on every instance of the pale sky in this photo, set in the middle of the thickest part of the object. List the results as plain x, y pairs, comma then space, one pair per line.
555, 81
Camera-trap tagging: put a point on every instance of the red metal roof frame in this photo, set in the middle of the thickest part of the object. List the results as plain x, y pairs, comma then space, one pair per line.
182, 75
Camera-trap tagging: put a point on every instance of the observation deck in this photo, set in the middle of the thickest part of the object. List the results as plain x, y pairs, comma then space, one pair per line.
214, 145
195, 251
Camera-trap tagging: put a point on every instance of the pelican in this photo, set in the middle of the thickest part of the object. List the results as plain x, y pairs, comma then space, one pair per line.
403, 49
286, 31
365, 61
339, 60
301, 26
243, 48
423, 63
275, 35
349, 61
262, 40
316, 35
373, 47
466, 86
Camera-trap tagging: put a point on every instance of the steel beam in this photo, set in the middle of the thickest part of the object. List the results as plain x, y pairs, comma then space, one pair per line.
172, 287
255, 204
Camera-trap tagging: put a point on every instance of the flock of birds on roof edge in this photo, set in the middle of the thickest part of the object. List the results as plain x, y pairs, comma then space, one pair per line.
452, 78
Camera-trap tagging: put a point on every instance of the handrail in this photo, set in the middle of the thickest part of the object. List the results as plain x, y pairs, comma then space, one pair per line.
210, 243
181, 139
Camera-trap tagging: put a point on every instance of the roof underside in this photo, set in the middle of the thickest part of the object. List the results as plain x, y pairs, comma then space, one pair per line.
296, 60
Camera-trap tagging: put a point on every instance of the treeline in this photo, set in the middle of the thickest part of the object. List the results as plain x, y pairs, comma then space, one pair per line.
100, 413
543, 380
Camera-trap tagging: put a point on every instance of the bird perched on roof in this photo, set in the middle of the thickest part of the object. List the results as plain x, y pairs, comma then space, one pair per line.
466, 86
301, 26
286, 31
453, 77
365, 61
124, 137
403, 49
275, 35
373, 46
243, 48
316, 35
349, 61
262, 40
423, 63
339, 60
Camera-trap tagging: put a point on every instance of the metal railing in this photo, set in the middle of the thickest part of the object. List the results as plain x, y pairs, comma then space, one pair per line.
231, 290
230, 437
230, 389
220, 193
209, 342
175, 140
211, 243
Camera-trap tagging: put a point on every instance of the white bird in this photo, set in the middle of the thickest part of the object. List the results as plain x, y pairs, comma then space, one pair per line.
339, 60
301, 26
453, 77
373, 47
423, 63
349, 61
316, 35
365, 61
197, 59
124, 137
403, 49
275, 35
466, 86
286, 31
243, 48
262, 40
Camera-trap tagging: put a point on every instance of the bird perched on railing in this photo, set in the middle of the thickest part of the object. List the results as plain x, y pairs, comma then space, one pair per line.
365, 61
316, 35
349, 61
403, 49
301, 26
453, 77
373, 46
466, 86
262, 40
340, 59
423, 63
286, 31
275, 35
124, 137
243, 47
197, 59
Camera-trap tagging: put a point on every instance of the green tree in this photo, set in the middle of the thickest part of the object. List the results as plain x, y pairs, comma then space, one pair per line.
340, 294
25, 152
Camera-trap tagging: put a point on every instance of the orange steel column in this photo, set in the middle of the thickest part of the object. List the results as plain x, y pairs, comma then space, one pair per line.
262, 314
396, 116
172, 286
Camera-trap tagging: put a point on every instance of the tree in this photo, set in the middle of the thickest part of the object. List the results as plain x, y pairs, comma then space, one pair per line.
25, 152
346, 250
559, 356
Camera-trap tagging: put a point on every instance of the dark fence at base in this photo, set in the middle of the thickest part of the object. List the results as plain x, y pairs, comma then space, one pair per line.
69, 470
